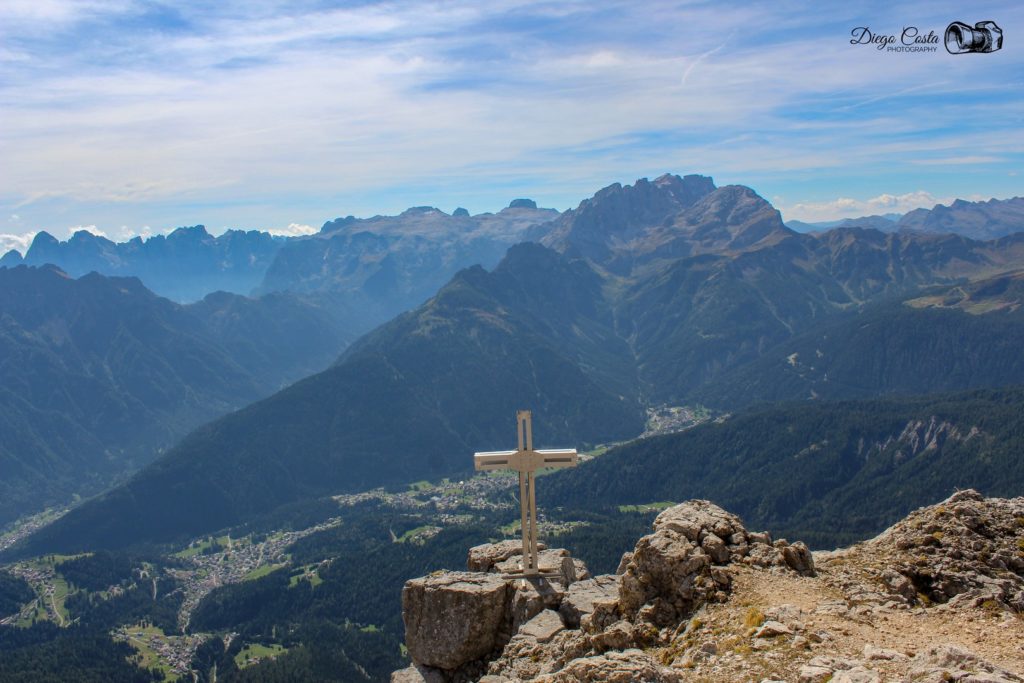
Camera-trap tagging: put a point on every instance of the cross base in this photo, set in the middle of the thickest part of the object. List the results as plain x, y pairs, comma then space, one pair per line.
546, 573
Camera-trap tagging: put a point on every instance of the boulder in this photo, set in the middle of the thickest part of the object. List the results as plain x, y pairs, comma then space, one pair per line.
555, 559
482, 558
452, 618
584, 598
670, 571
798, 558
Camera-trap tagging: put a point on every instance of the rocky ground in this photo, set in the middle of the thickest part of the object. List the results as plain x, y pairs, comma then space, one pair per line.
937, 597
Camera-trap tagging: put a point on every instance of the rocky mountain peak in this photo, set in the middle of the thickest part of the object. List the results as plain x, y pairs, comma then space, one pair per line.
42, 240
703, 598
619, 214
522, 204
190, 233
11, 259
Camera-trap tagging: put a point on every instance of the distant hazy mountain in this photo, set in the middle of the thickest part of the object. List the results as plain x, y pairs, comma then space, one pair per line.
977, 220
828, 472
885, 223
411, 400
98, 374
645, 294
11, 259
388, 264
185, 265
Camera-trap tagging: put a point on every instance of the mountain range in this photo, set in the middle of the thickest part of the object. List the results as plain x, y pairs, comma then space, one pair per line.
828, 472
184, 266
976, 220
644, 294
98, 375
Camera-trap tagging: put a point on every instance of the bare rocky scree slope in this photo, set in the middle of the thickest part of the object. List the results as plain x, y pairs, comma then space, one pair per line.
939, 596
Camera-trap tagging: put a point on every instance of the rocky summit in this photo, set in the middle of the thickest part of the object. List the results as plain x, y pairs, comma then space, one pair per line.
939, 596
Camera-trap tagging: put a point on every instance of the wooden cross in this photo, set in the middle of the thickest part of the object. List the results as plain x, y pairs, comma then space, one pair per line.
526, 461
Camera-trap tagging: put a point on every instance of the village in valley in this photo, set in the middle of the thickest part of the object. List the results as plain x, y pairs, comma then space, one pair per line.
212, 562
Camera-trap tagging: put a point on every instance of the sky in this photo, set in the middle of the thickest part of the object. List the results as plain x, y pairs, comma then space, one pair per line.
131, 118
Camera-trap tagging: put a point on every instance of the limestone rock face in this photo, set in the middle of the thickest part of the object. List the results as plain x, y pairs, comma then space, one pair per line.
701, 596
454, 617
676, 569
965, 549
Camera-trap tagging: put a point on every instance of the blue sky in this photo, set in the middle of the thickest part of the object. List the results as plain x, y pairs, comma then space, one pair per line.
134, 117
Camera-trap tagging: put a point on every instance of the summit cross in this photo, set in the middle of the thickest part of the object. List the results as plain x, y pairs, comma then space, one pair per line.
526, 461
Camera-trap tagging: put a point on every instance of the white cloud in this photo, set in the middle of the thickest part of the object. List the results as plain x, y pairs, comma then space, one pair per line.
86, 228
254, 104
19, 242
294, 230
846, 207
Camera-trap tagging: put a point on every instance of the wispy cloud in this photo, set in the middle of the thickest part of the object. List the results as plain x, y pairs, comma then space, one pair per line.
277, 113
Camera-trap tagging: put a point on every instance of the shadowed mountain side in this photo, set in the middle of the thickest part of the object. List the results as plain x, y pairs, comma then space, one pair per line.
99, 374
653, 291
432, 386
184, 265
851, 467
962, 337
385, 265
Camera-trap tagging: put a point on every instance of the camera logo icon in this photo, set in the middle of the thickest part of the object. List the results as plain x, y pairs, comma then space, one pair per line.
985, 36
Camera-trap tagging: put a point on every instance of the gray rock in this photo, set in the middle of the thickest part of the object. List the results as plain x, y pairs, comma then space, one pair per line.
452, 618
417, 674
857, 674
543, 627
556, 559
772, 629
952, 663
759, 537
533, 596
482, 558
584, 597
716, 548
872, 653
630, 666
798, 557
618, 636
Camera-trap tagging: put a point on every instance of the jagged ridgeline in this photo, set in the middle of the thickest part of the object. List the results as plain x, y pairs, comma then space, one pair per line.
669, 291
828, 473
99, 375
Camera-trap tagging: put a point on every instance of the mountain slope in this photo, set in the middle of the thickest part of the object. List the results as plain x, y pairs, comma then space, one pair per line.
956, 338
450, 374
977, 220
852, 467
97, 375
696, 283
384, 265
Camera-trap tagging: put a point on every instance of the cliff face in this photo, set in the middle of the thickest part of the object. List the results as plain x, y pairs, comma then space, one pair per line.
937, 597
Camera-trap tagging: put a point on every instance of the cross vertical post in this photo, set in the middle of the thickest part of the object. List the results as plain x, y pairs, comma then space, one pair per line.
526, 461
